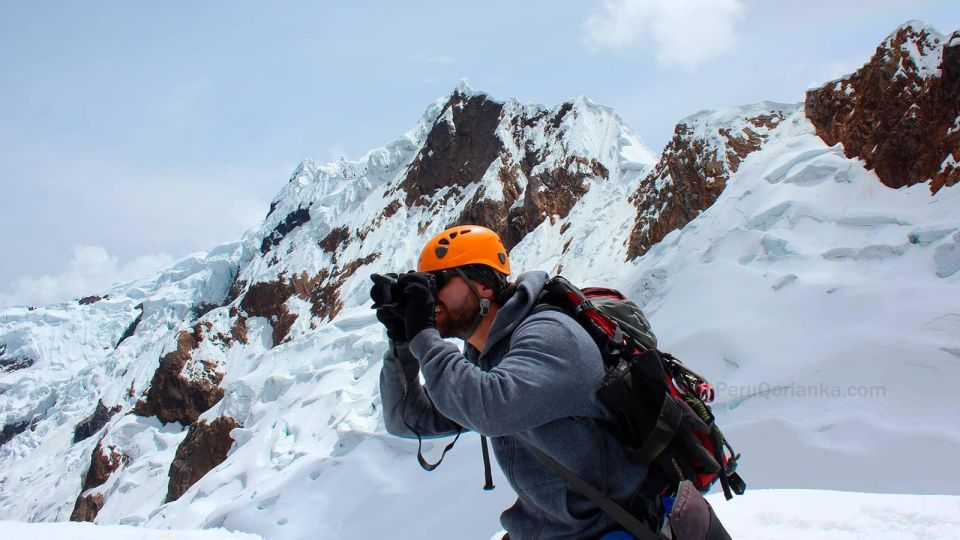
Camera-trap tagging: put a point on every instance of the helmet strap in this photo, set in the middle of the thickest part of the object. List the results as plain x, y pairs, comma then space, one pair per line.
484, 305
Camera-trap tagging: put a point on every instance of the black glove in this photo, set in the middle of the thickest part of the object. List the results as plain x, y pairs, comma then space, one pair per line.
419, 291
384, 293
384, 290
393, 322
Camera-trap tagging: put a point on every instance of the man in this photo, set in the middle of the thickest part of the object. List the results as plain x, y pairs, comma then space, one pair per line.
526, 378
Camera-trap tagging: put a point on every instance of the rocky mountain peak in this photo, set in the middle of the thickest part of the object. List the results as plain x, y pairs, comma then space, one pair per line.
900, 112
510, 166
914, 49
706, 149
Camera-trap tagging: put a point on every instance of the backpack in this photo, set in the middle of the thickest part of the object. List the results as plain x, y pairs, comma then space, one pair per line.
659, 406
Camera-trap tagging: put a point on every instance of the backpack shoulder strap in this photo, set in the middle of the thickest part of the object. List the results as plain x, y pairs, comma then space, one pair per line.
626, 520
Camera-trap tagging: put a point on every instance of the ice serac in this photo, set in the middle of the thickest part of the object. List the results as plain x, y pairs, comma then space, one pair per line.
706, 149
900, 112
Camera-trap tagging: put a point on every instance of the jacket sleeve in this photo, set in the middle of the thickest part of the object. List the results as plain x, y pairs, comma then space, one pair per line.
551, 370
405, 401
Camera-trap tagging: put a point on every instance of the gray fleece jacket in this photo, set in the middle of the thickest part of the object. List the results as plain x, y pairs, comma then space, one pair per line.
535, 383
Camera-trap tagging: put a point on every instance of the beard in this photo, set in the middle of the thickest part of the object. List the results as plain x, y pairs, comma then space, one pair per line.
456, 320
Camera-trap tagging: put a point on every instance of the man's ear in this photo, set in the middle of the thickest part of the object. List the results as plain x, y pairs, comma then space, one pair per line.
485, 292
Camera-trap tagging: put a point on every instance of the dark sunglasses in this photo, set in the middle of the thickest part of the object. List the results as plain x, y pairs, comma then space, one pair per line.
443, 277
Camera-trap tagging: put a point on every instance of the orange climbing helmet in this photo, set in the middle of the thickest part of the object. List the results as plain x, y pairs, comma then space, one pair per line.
463, 245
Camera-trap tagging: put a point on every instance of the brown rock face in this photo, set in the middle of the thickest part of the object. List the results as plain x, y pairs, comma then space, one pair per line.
103, 463
458, 150
268, 299
95, 422
175, 398
552, 192
326, 296
464, 144
899, 117
205, 447
293, 220
238, 331
691, 174
337, 238
87, 507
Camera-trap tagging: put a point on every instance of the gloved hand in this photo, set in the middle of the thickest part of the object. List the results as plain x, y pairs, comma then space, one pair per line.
384, 290
419, 290
393, 322
384, 293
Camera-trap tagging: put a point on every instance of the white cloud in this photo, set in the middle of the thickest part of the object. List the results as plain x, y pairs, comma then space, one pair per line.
684, 33
91, 270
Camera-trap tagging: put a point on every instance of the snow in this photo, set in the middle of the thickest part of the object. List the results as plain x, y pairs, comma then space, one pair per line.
759, 514
924, 48
954, 128
821, 303
853, 314
89, 531
834, 515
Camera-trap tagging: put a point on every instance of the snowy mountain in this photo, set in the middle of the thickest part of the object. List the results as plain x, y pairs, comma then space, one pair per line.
797, 255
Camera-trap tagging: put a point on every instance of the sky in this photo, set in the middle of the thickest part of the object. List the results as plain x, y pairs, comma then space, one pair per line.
135, 133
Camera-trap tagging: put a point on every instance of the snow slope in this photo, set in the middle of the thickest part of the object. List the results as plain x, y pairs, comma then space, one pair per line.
825, 306
760, 514
88, 531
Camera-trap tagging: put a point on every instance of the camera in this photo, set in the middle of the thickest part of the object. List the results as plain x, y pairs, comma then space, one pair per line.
386, 291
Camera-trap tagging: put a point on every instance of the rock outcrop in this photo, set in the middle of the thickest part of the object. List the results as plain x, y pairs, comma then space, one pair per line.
176, 397
706, 149
293, 220
9, 431
205, 447
459, 148
132, 328
15, 363
900, 112
87, 507
95, 422
103, 463
516, 155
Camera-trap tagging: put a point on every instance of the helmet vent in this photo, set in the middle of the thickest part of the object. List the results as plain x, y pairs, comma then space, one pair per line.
444, 241
441, 252
452, 236
503, 257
